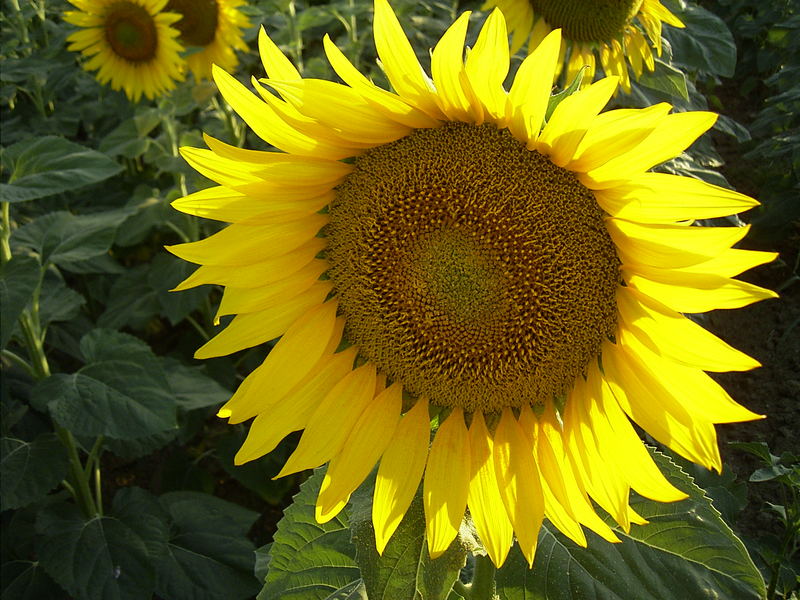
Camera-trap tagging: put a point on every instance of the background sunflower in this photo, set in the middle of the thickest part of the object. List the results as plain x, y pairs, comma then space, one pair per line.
130, 43
593, 32
212, 30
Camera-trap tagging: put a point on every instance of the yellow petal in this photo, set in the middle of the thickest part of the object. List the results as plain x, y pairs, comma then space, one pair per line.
557, 504
613, 132
732, 262
293, 357
390, 104
673, 135
364, 446
670, 334
399, 473
689, 435
276, 65
530, 91
332, 422
487, 66
485, 504
670, 246
245, 300
245, 244
518, 482
687, 387
664, 198
446, 485
251, 329
572, 117
693, 292
277, 418
455, 94
282, 167
399, 61
256, 275
625, 448
551, 448
341, 108
268, 124
590, 457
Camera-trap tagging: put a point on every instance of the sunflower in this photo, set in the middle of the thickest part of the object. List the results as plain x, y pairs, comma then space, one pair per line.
440, 257
592, 29
214, 29
130, 43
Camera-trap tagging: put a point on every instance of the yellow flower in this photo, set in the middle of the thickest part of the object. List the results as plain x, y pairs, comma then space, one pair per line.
441, 254
591, 29
129, 42
214, 29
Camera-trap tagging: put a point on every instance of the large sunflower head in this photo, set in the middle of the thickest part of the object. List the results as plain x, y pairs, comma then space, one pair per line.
608, 31
442, 254
130, 43
212, 30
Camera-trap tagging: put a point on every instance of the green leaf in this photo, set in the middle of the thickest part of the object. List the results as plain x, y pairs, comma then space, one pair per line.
43, 166
142, 512
256, 475
355, 590
18, 280
705, 44
122, 393
144, 292
57, 302
666, 79
125, 141
405, 570
309, 560
192, 388
207, 556
96, 559
686, 551
26, 580
28, 470
114, 398
63, 238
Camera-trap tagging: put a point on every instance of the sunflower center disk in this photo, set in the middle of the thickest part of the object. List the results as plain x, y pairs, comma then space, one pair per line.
588, 20
470, 269
131, 32
199, 23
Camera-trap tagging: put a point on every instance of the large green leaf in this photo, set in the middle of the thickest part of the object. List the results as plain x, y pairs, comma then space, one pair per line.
99, 558
28, 470
26, 580
63, 238
666, 79
207, 556
686, 551
705, 44
405, 569
18, 279
122, 393
48, 165
144, 292
309, 560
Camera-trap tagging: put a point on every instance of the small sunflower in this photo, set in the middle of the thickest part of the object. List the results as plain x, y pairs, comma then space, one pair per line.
608, 30
130, 43
442, 255
214, 29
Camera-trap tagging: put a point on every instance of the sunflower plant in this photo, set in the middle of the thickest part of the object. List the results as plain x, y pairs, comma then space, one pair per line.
428, 323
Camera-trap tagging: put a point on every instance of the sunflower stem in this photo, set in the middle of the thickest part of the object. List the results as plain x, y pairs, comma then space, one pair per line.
483, 587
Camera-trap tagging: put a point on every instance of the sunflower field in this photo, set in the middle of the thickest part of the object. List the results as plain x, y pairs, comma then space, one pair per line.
400, 300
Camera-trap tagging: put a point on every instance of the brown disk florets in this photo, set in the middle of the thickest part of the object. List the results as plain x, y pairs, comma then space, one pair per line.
470, 269
588, 20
